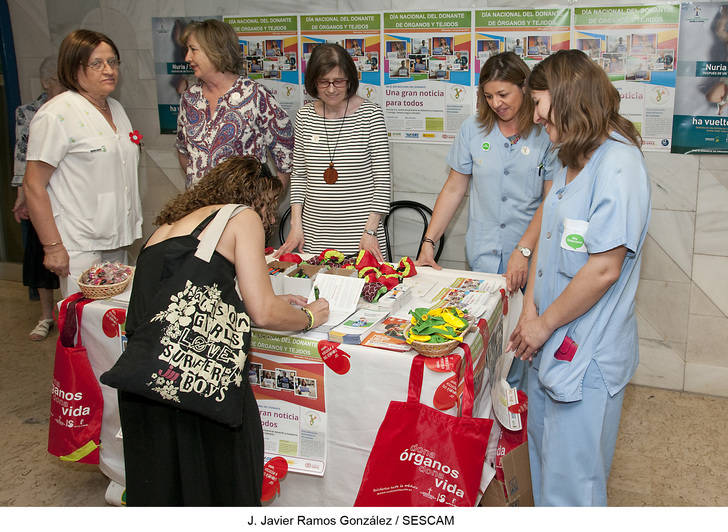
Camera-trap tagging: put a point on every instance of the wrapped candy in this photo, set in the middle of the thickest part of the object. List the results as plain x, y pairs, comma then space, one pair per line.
365, 260
406, 267
106, 273
373, 291
290, 257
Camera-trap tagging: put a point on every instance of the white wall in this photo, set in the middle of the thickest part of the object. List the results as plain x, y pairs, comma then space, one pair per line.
682, 303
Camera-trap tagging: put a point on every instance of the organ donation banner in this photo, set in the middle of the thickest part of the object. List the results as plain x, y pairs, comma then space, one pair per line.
359, 34
270, 50
637, 47
427, 74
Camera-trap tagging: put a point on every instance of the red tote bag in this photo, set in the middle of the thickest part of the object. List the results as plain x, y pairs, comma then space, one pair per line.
424, 457
77, 405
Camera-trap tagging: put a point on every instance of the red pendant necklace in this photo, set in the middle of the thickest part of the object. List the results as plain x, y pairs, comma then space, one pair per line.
330, 174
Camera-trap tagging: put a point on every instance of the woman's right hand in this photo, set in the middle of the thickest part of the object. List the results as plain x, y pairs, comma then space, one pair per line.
56, 260
427, 256
295, 240
320, 310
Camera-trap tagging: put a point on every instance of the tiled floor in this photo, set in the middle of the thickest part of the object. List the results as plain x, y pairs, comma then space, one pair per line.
672, 448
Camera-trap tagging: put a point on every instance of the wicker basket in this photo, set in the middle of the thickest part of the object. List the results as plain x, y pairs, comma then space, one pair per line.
104, 291
432, 349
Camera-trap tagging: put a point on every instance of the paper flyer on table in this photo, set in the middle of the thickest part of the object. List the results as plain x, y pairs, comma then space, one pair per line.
473, 302
341, 292
478, 285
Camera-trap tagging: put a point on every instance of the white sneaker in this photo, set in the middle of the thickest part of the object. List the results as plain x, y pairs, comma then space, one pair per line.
115, 494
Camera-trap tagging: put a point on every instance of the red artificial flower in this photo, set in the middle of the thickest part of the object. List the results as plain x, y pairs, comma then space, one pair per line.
136, 137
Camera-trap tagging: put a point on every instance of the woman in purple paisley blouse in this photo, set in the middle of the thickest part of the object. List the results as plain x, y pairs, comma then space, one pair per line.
225, 114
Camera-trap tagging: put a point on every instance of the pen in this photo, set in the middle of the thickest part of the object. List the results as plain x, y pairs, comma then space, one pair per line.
316, 292
540, 167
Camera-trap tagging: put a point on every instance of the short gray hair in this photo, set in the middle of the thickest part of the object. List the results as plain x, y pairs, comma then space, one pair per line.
49, 68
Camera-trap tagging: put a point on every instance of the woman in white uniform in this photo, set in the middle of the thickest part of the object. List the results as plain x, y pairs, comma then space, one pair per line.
81, 182
578, 325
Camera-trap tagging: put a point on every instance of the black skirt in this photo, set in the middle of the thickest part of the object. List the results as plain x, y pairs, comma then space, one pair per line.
35, 274
176, 458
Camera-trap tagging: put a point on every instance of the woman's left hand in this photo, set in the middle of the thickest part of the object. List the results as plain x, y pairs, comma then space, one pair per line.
528, 337
293, 299
370, 243
516, 271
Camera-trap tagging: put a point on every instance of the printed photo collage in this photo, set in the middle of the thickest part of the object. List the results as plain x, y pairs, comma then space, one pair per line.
285, 380
632, 55
425, 58
365, 61
266, 59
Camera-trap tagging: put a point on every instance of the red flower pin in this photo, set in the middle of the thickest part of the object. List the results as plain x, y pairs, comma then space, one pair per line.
136, 137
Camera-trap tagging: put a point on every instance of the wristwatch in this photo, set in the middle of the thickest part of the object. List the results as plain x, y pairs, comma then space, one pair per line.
524, 251
370, 232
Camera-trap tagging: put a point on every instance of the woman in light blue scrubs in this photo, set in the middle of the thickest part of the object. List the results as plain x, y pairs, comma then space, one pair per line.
578, 325
507, 163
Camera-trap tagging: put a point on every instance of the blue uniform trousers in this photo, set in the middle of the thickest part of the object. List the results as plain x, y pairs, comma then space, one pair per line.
571, 445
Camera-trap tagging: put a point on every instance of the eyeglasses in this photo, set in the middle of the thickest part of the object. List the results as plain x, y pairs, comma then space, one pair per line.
98, 64
338, 83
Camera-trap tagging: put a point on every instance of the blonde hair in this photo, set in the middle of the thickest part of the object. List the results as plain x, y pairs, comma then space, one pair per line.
219, 42
508, 67
584, 104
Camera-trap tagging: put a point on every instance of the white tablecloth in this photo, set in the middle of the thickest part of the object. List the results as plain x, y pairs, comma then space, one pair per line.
356, 402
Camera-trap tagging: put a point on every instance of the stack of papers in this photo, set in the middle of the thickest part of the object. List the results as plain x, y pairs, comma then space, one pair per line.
357, 326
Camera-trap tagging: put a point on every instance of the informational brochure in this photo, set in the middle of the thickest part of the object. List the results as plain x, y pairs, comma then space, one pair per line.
474, 303
498, 364
359, 34
479, 285
427, 74
700, 123
341, 292
637, 46
354, 328
532, 34
287, 378
270, 49
389, 335
173, 75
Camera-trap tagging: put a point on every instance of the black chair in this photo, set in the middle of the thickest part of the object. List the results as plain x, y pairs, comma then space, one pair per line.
282, 226
424, 212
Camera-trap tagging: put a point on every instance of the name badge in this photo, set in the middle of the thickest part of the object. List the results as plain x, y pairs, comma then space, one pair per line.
574, 233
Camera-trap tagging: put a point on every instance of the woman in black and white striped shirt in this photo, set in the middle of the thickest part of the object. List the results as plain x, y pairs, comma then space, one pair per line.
341, 183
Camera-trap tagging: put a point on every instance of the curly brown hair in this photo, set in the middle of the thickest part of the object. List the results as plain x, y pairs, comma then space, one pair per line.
243, 180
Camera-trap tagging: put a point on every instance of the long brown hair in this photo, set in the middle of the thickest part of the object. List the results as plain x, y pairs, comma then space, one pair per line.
241, 180
509, 67
584, 104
